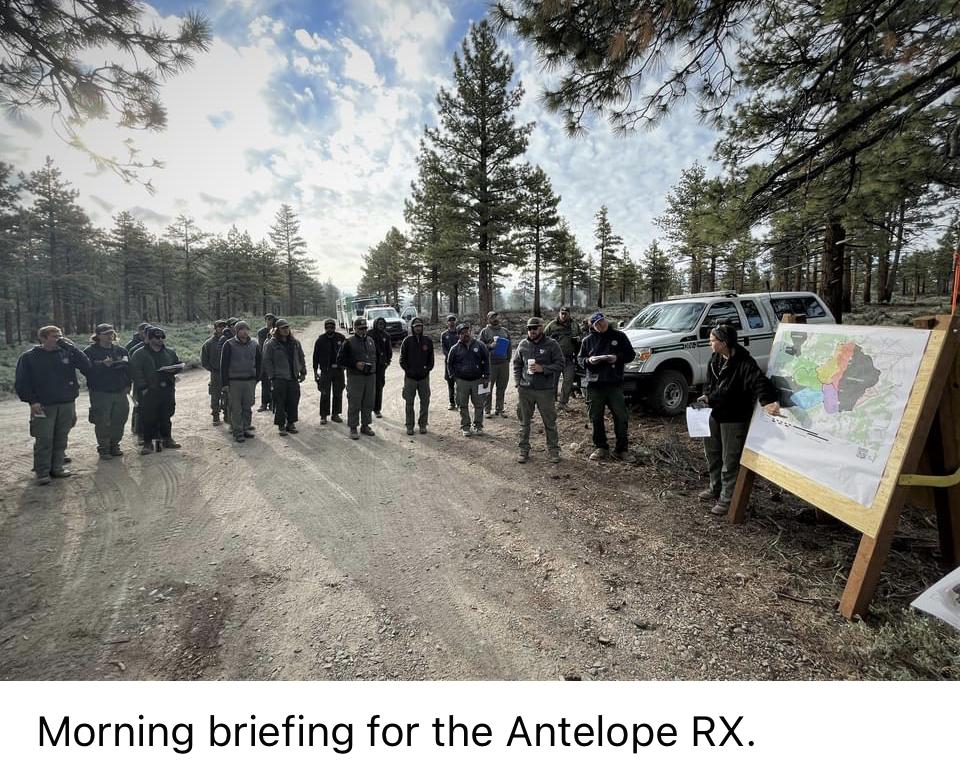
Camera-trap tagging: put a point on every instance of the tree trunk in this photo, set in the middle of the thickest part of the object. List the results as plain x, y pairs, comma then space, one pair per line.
833, 251
898, 249
867, 276
847, 282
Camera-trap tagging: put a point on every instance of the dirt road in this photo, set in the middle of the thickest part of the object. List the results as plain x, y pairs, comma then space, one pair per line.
316, 557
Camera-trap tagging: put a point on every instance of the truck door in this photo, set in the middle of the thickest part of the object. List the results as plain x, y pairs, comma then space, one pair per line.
725, 313
758, 333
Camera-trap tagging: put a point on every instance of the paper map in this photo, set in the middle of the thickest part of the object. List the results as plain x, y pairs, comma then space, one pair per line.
843, 393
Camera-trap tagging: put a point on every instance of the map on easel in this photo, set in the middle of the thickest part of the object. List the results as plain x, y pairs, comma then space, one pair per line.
844, 390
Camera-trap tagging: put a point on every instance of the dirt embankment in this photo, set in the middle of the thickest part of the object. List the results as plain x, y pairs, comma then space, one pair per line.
434, 556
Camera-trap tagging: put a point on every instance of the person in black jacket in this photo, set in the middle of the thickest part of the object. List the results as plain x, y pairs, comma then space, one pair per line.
734, 383
46, 380
603, 353
210, 361
263, 335
416, 360
447, 339
468, 363
358, 357
326, 371
109, 384
384, 355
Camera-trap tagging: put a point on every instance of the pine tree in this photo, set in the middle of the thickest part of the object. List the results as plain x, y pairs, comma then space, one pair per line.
285, 235
477, 145
657, 274
606, 247
186, 238
569, 269
43, 47
537, 226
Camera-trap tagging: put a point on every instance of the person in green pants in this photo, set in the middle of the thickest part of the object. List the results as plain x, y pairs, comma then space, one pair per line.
46, 379
109, 385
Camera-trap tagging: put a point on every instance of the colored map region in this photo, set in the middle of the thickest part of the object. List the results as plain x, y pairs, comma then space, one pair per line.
843, 391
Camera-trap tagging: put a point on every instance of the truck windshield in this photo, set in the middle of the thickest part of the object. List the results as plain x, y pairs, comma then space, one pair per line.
669, 316
388, 313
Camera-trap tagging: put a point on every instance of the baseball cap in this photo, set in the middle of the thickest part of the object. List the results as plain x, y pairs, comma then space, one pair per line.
451, 317
219, 323
281, 323
329, 321
269, 316
492, 313
153, 332
565, 309
462, 327
103, 328
240, 324
142, 327
360, 322
596, 317
416, 321
534, 322
233, 321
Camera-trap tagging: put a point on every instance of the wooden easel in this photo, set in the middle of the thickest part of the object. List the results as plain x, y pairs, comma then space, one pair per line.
929, 436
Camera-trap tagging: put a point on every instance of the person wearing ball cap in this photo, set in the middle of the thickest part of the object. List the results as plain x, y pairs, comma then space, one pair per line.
447, 339
536, 364
603, 353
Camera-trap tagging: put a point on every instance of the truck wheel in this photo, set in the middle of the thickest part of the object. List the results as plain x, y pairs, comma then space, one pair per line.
669, 393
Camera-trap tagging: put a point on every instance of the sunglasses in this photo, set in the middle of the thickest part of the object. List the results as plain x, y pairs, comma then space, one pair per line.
158, 335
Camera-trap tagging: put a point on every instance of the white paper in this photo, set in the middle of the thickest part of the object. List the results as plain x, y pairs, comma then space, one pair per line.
847, 387
698, 421
942, 599
483, 389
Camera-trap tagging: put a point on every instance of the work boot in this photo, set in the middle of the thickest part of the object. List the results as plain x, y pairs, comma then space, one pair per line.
43, 480
248, 433
292, 429
599, 453
67, 460
721, 507
378, 414
707, 494
353, 434
115, 450
624, 456
523, 457
409, 430
104, 455
168, 443
323, 420
423, 430
216, 419
60, 473
336, 418
147, 448
283, 431
251, 428
466, 432
240, 439
261, 409
477, 430
452, 407
554, 458
367, 431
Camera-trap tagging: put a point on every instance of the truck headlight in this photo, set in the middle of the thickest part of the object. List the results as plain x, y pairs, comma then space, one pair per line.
636, 365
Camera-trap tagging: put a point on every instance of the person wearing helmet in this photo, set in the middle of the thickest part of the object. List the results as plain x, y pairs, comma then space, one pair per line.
492, 335
416, 360
266, 395
358, 356
447, 339
537, 363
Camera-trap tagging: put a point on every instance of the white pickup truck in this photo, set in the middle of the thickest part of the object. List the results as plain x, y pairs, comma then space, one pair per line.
671, 339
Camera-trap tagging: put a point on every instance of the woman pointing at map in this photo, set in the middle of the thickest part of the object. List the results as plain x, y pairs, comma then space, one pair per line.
734, 383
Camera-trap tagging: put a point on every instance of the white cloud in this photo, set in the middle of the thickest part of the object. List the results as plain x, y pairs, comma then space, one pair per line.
312, 42
358, 65
264, 25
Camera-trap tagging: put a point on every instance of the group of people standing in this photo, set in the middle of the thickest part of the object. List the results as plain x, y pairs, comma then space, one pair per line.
46, 379
477, 371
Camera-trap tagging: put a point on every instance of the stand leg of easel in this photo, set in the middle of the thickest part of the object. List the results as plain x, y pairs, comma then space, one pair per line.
865, 571
741, 495
943, 452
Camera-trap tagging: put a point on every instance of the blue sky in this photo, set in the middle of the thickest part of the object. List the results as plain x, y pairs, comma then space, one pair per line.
322, 106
